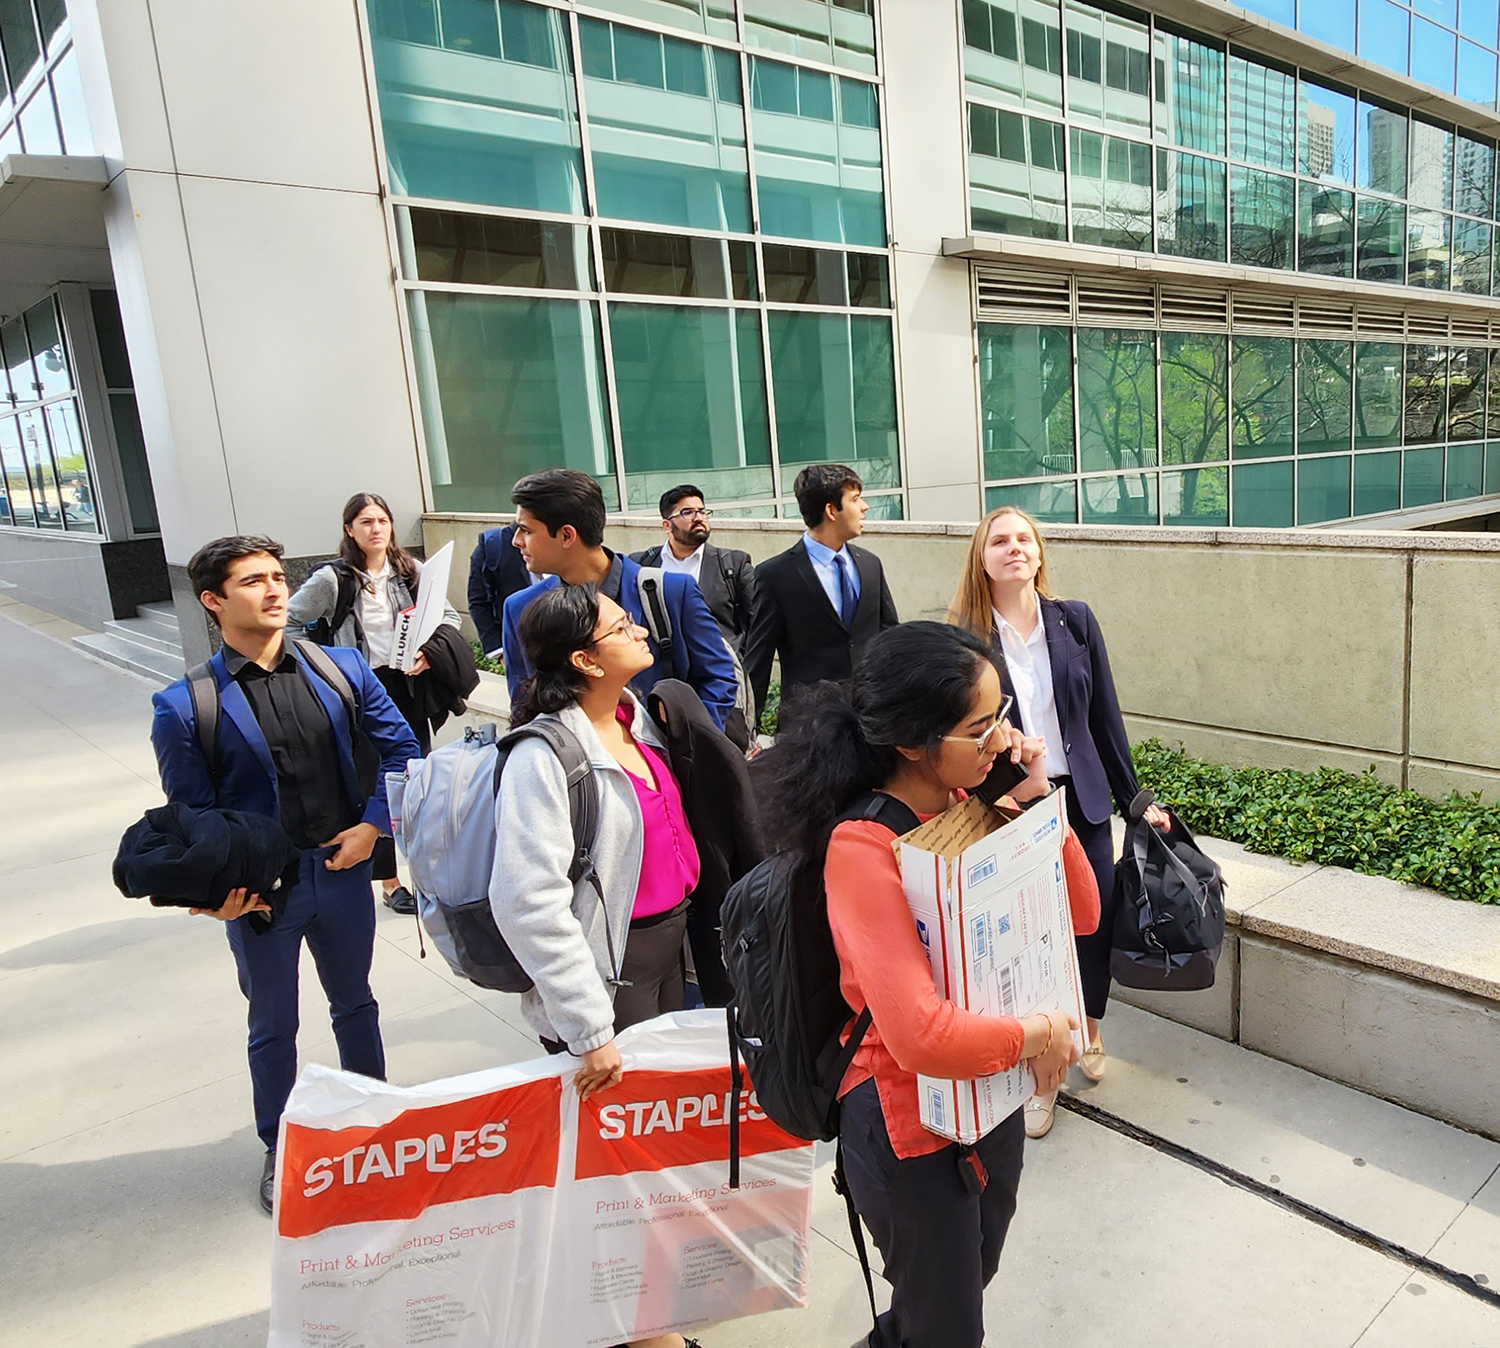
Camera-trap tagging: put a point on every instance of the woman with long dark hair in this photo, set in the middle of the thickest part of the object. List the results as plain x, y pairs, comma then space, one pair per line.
1051, 657
357, 600
607, 955
922, 721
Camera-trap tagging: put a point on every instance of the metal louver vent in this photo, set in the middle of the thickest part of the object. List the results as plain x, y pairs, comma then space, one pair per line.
1374, 322
1321, 318
1254, 312
1112, 303
1428, 327
1013, 294
1202, 310
1470, 329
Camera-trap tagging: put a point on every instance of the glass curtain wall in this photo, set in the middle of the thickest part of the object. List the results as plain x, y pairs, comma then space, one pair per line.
654, 256
44, 462
1209, 429
41, 91
1124, 133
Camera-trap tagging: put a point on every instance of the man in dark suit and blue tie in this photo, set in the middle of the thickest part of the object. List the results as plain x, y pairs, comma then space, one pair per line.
285, 746
819, 603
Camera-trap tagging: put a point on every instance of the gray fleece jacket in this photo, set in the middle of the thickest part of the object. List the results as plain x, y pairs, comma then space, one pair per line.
318, 597
563, 936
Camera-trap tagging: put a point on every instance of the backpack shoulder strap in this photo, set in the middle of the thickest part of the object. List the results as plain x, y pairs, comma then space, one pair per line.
203, 692
583, 790
326, 669
652, 592
348, 594
884, 810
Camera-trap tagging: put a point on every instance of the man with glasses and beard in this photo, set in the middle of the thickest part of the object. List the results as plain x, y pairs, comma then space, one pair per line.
725, 576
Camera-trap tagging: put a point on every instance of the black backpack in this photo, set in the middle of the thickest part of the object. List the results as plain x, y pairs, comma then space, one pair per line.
1169, 908
323, 630
788, 1012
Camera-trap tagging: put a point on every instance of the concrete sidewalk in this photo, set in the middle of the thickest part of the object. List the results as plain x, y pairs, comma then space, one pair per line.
128, 1163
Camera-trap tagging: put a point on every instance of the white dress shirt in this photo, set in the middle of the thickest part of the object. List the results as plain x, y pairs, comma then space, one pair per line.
691, 565
1030, 666
377, 616
825, 564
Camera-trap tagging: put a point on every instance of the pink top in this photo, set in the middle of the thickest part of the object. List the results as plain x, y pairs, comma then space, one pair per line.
669, 861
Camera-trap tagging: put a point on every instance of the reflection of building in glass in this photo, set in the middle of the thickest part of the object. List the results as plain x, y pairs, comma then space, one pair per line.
1320, 139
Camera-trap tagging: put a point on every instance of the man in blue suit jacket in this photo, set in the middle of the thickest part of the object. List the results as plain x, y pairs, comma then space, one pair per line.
284, 747
560, 532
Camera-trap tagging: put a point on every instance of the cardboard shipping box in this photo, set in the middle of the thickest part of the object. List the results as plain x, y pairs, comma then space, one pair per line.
990, 898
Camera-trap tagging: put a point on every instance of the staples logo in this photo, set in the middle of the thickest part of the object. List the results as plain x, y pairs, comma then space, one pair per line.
489, 1144
468, 1144
656, 1120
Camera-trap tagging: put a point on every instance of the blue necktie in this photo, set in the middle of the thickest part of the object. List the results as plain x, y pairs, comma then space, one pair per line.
848, 601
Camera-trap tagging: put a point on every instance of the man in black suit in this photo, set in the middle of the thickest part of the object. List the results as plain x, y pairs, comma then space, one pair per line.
496, 571
725, 576
819, 603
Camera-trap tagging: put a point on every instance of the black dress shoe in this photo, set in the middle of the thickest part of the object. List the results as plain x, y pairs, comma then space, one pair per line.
268, 1182
400, 900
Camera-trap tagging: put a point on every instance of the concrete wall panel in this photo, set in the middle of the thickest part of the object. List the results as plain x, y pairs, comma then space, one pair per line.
1441, 779
121, 83
1420, 1045
271, 91
1242, 750
1215, 1010
302, 330
1292, 642
1455, 653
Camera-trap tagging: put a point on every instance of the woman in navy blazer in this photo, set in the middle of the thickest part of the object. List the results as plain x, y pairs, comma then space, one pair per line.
1051, 657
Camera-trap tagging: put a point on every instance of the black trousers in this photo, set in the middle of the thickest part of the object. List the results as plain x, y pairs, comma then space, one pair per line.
399, 687
1093, 951
941, 1244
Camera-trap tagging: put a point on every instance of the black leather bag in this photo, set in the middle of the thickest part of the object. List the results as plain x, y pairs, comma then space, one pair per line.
1169, 907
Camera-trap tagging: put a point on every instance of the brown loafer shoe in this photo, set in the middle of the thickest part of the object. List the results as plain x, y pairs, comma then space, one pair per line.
1039, 1110
1093, 1062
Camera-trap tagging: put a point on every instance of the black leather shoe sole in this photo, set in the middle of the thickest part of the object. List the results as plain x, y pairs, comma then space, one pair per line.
268, 1183
400, 900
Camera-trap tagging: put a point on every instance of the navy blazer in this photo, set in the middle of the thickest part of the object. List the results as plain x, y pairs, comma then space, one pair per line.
1088, 711
496, 571
699, 656
247, 777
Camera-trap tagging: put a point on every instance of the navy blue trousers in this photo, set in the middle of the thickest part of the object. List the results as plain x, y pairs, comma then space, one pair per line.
334, 912
941, 1244
1094, 950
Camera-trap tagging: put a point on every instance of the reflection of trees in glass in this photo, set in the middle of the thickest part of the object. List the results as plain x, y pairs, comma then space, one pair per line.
1111, 187
1492, 405
1199, 496
1190, 206
1116, 399
1381, 240
1426, 393
1026, 400
1261, 218
1473, 177
1467, 369
1471, 256
1377, 395
1194, 398
1326, 245
1261, 372
1324, 396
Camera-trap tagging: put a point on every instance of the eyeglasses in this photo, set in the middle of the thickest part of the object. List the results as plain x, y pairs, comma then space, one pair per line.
688, 515
979, 741
616, 629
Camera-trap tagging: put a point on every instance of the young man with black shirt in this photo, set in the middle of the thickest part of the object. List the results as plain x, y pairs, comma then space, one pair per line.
725, 576
284, 746
820, 602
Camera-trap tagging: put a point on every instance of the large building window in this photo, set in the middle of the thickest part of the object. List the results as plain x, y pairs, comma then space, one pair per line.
1255, 164
592, 278
46, 475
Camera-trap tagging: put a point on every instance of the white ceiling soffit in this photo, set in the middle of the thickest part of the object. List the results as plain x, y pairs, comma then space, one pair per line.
51, 225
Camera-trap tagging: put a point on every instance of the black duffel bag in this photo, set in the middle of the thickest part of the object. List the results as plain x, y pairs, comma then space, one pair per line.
1169, 907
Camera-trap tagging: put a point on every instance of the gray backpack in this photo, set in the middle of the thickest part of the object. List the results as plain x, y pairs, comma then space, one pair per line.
447, 830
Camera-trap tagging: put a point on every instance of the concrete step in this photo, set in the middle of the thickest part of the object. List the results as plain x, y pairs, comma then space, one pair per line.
146, 632
160, 616
158, 666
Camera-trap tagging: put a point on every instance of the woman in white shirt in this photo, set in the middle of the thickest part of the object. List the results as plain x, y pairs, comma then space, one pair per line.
355, 600
1052, 660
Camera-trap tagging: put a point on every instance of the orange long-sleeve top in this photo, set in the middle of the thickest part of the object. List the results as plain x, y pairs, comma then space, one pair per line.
882, 965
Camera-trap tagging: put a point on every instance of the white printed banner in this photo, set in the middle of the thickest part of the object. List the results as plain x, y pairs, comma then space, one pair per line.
496, 1210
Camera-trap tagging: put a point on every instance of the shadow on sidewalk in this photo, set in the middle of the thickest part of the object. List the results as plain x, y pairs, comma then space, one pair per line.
248, 1329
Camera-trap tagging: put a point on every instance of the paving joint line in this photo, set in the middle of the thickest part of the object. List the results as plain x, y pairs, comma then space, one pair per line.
1358, 1235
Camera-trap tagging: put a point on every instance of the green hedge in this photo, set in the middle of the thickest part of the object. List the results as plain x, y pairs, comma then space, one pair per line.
483, 662
1334, 818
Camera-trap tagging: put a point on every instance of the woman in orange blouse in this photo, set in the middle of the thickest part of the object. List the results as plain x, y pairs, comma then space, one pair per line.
922, 720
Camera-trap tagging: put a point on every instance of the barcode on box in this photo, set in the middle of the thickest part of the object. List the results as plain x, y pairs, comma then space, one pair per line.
982, 870
979, 937
1007, 991
935, 1109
